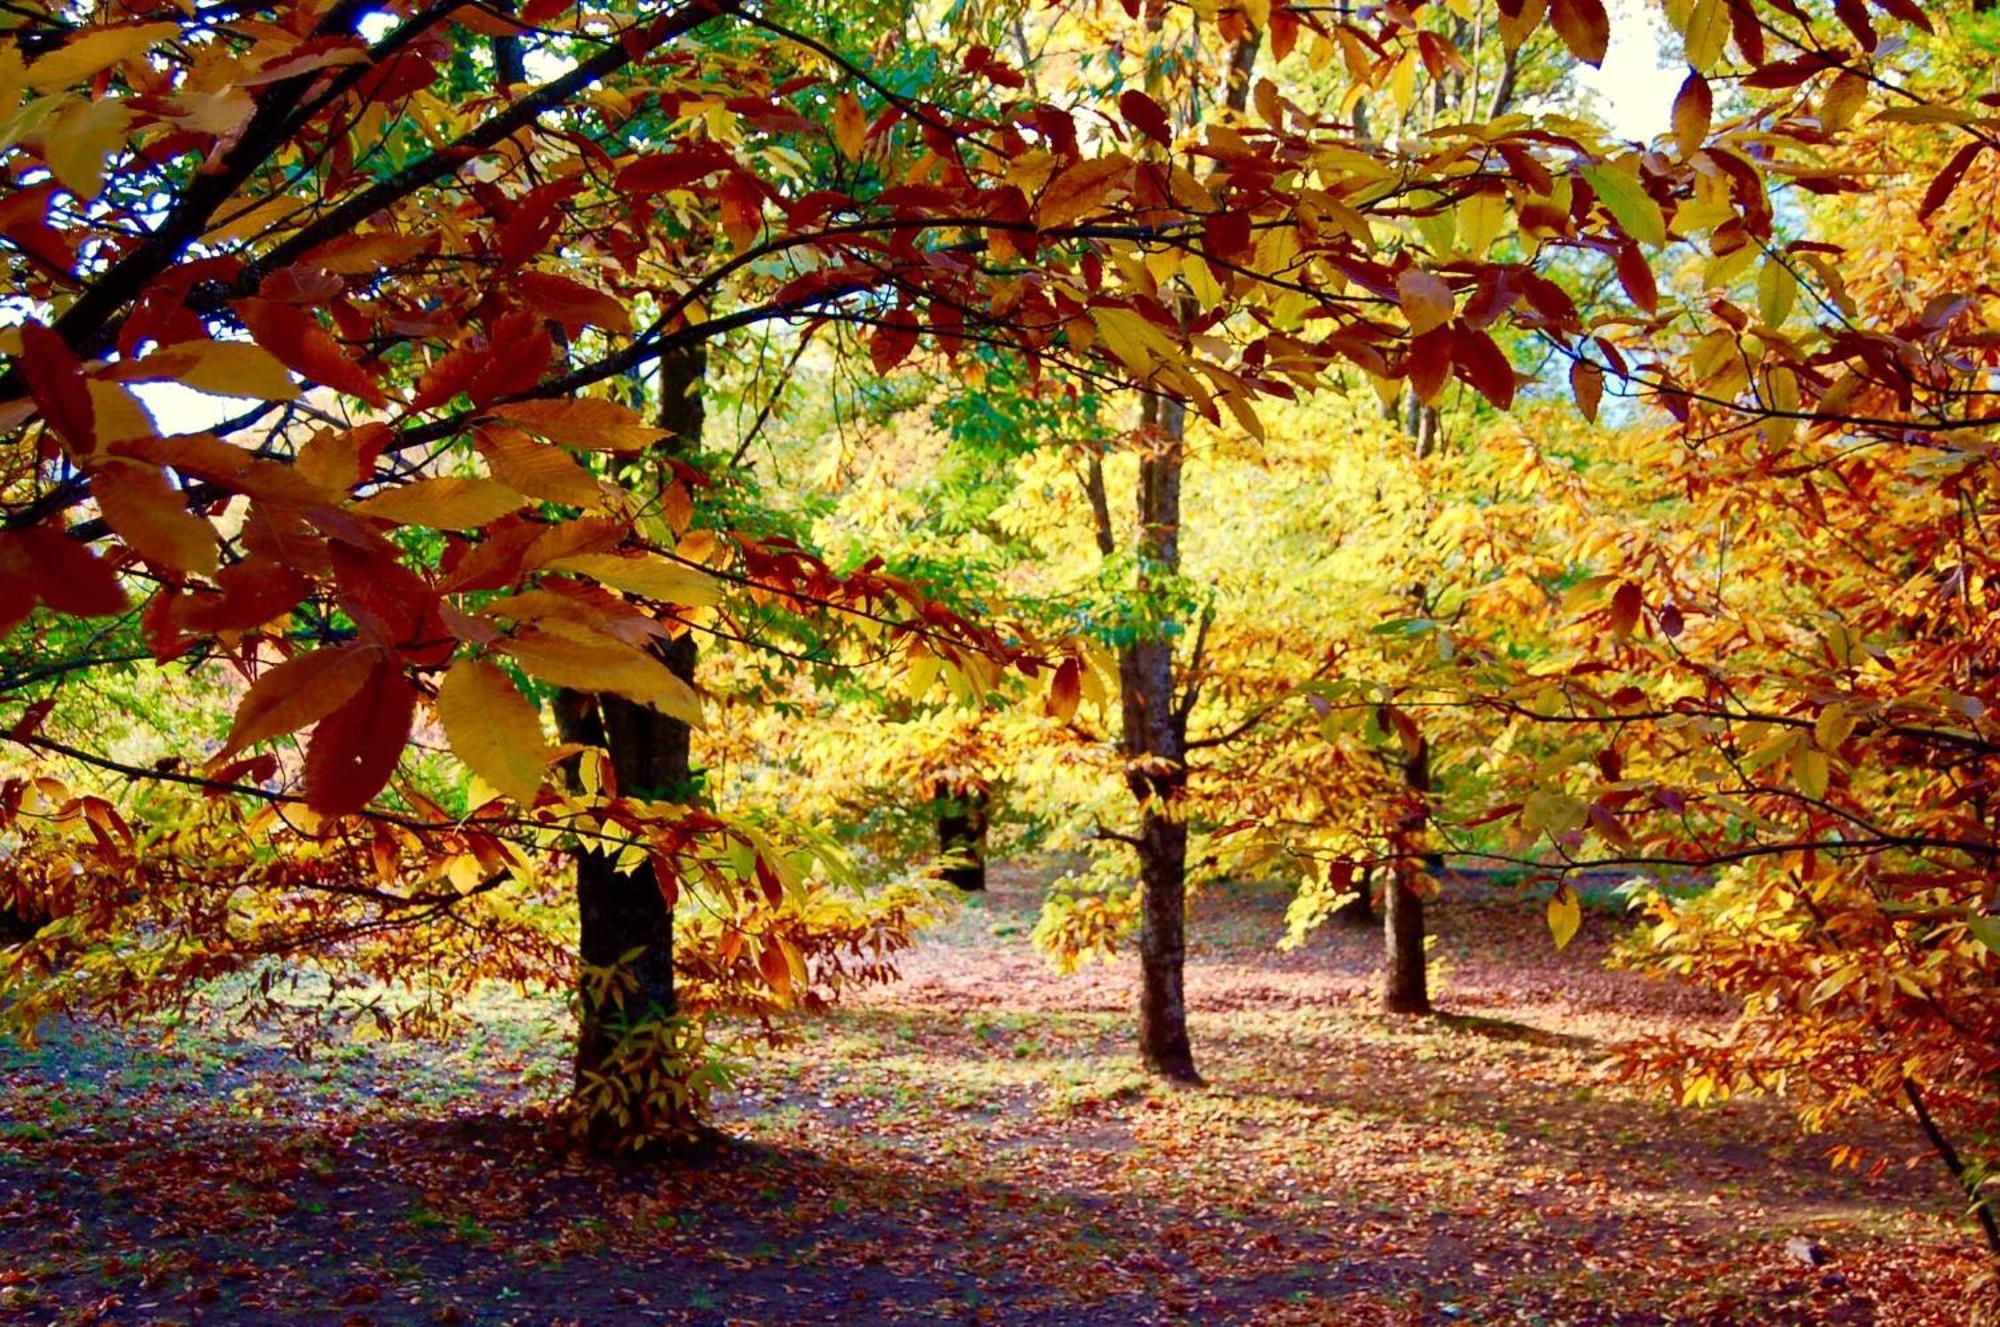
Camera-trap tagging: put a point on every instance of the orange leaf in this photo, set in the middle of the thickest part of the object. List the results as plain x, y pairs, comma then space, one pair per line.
572, 303
1583, 26
583, 421
1081, 190
297, 692
1586, 382
742, 210
1065, 690
850, 126
1694, 107
67, 576
306, 348
152, 516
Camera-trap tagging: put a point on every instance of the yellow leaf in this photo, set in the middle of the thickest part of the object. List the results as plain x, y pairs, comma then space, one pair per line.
118, 415
538, 469
494, 729
648, 576
850, 127
449, 503
94, 52
81, 139
1134, 338
1565, 915
1809, 770
1777, 291
1628, 203
1836, 723
583, 421
599, 663
1479, 220
221, 368
152, 516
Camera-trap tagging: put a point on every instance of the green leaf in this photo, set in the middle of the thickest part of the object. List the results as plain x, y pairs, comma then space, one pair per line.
1628, 203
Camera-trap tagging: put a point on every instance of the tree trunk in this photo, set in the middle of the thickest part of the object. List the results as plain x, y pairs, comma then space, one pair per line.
1406, 989
961, 825
1155, 749
625, 982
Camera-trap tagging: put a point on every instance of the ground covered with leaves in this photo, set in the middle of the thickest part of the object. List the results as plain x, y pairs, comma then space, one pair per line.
975, 1144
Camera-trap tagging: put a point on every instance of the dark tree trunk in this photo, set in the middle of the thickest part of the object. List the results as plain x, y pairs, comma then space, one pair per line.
626, 931
961, 825
1406, 988
1155, 749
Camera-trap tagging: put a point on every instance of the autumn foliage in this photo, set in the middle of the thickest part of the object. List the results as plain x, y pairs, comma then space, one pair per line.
1337, 452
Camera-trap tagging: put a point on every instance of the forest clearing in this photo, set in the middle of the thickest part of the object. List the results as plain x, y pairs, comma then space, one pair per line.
974, 1144
1049, 661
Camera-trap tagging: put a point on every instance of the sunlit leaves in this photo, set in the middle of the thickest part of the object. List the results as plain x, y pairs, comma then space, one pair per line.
493, 729
93, 52
583, 421
1626, 199
1565, 915
151, 515
593, 662
445, 503
1081, 190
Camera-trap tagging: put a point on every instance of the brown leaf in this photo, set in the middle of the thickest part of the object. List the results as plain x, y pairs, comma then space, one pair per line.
355, 748
1583, 26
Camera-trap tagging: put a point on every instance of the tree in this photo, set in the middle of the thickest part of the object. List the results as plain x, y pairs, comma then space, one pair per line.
443, 292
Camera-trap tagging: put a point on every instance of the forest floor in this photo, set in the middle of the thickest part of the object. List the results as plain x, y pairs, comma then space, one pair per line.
975, 1144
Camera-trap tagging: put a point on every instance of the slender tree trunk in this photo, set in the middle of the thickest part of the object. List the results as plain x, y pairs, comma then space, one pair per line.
626, 931
962, 817
1155, 749
1406, 986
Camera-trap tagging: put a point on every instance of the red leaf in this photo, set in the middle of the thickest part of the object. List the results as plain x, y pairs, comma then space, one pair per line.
1948, 178
672, 170
1625, 605
533, 222
1429, 363
69, 577
892, 342
1483, 364
354, 749
55, 378
1225, 234
1637, 277
1145, 115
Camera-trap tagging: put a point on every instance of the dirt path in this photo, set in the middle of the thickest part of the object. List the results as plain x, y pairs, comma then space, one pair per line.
975, 1145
